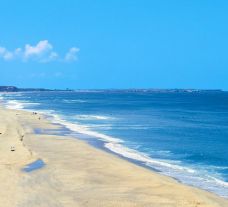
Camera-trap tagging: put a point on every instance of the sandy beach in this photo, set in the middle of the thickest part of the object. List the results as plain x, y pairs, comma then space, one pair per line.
77, 174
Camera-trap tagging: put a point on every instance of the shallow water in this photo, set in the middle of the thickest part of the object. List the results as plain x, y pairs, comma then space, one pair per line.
34, 166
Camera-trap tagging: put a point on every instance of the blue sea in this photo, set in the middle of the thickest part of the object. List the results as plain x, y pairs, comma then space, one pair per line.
181, 134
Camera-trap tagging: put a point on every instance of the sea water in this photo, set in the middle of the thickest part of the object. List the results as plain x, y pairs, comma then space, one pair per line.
180, 134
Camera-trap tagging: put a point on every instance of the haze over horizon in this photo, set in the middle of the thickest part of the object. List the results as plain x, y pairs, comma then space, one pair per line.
101, 45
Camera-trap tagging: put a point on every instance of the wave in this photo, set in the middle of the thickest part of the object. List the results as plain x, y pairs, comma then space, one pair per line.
133, 154
84, 130
12, 104
92, 117
99, 126
74, 101
187, 175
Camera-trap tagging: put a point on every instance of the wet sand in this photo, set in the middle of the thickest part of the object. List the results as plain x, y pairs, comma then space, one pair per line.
77, 174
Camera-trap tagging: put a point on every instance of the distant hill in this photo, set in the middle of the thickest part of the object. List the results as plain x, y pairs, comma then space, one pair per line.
8, 89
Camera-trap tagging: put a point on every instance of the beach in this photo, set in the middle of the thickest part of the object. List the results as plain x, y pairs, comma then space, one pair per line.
77, 174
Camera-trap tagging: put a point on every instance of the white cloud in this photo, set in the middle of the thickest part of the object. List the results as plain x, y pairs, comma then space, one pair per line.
42, 52
71, 55
38, 50
5, 54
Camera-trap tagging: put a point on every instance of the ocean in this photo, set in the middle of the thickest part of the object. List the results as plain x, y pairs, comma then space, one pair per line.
183, 135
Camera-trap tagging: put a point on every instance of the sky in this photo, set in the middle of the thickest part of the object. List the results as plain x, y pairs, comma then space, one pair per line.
97, 44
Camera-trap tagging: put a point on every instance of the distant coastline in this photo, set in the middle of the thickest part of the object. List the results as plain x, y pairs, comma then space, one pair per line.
149, 90
16, 89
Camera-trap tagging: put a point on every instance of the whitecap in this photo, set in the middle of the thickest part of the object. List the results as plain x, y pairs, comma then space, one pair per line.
92, 117
13, 104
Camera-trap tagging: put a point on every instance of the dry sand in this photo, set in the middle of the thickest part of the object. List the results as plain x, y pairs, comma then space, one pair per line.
77, 174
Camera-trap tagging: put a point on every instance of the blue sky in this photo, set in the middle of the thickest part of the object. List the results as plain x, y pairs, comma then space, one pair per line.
114, 44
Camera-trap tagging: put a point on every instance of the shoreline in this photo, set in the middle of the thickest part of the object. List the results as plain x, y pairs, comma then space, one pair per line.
101, 178
184, 172
140, 161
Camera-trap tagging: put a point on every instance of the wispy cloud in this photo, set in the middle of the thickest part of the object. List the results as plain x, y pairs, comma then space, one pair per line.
42, 52
71, 55
5, 54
